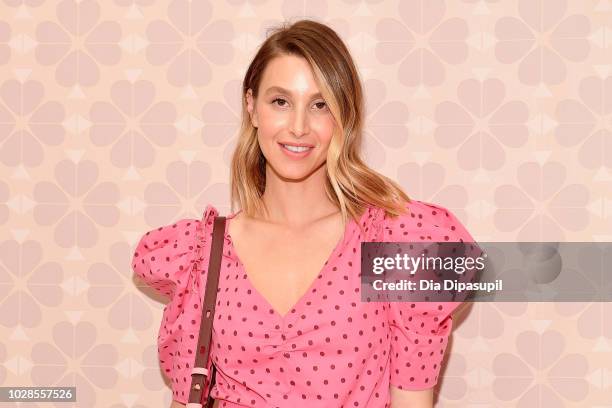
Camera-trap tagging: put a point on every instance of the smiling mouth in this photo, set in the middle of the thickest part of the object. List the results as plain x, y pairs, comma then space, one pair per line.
296, 149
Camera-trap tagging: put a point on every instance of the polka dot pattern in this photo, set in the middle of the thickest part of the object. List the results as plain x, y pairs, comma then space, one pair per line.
330, 350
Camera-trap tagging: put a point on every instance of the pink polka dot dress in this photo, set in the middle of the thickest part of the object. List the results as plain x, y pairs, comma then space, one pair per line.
330, 350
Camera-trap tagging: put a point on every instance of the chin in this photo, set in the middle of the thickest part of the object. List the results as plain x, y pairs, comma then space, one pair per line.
289, 175
295, 172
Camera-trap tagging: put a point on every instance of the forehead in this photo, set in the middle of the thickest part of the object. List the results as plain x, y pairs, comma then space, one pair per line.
290, 72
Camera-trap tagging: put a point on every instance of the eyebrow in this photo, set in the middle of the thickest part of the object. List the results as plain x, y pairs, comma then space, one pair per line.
286, 91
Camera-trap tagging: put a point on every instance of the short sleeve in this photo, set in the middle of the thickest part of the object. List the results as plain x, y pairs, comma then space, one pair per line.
420, 330
163, 256
169, 259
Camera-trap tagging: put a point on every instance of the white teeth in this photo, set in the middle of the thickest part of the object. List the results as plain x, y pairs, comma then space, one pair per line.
296, 149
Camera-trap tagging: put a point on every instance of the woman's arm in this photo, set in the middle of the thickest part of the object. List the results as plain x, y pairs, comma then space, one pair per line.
411, 399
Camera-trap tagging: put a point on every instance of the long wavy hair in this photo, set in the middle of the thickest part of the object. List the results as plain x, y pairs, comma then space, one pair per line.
350, 183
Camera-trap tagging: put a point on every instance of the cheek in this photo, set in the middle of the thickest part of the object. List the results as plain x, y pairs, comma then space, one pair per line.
324, 128
270, 120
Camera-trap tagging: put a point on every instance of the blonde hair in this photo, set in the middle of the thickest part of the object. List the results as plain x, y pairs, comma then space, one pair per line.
350, 183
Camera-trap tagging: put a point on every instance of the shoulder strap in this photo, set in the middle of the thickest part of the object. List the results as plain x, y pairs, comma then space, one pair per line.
200, 371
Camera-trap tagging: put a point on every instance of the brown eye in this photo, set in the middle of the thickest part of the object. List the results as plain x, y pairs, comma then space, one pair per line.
279, 99
324, 105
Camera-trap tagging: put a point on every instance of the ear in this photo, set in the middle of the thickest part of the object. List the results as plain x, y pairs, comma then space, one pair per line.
251, 108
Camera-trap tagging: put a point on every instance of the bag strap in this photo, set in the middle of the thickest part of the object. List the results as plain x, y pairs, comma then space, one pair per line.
200, 370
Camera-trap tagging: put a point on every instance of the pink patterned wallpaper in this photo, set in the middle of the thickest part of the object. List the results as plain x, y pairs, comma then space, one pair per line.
119, 116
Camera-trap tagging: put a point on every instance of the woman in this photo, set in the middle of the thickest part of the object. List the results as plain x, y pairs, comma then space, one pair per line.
290, 328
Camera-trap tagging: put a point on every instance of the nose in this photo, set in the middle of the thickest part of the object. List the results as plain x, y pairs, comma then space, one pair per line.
299, 123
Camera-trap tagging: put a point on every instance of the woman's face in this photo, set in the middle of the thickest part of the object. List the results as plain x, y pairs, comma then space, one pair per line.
290, 110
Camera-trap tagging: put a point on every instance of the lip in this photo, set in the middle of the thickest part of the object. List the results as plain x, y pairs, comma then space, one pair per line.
295, 155
296, 144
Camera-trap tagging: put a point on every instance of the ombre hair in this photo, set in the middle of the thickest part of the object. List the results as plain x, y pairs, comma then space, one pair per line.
350, 183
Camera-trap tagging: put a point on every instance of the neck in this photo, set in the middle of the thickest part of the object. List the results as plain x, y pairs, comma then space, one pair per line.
296, 202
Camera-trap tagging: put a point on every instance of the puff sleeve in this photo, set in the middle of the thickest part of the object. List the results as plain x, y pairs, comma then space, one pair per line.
420, 330
173, 259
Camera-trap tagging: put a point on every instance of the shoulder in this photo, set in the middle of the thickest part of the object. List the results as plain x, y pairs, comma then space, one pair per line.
424, 221
178, 233
164, 253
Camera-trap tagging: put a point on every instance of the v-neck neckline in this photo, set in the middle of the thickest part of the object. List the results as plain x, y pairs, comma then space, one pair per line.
284, 319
